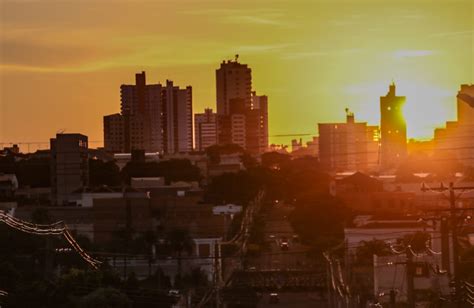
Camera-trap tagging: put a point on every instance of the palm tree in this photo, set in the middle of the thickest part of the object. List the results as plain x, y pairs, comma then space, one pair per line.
179, 241
367, 249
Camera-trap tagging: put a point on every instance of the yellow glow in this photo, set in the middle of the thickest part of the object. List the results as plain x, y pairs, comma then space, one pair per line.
427, 106
61, 65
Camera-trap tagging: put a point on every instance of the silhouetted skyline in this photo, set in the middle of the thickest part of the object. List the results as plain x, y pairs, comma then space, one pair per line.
61, 64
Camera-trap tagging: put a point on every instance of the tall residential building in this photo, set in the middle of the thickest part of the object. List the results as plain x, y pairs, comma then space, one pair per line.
242, 115
178, 119
393, 129
257, 124
69, 165
114, 133
456, 140
153, 118
348, 146
233, 81
205, 129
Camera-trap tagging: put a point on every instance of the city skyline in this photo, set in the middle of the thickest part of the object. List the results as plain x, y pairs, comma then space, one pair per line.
343, 59
236, 153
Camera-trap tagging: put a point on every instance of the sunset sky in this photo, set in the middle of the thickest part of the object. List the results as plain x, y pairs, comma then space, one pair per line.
62, 62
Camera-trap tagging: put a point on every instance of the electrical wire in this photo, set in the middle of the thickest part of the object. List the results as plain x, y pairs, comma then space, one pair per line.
51, 229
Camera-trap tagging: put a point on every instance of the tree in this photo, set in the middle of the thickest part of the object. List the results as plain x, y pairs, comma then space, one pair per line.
179, 241
417, 241
214, 152
320, 220
41, 216
103, 173
34, 172
106, 298
172, 170
275, 159
366, 250
195, 279
237, 188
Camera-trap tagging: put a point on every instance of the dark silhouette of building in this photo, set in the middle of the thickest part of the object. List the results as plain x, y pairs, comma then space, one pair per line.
205, 129
456, 139
257, 124
349, 146
153, 117
69, 166
242, 115
393, 129
233, 81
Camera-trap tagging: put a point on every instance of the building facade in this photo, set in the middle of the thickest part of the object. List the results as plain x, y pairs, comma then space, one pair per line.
393, 129
257, 124
242, 115
205, 129
456, 139
348, 146
153, 117
69, 166
233, 81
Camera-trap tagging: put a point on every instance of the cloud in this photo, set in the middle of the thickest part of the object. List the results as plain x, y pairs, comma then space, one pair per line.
261, 48
412, 53
453, 34
320, 53
262, 16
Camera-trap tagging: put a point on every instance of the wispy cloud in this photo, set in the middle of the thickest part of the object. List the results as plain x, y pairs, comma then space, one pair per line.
261, 48
412, 53
319, 53
249, 19
453, 34
262, 16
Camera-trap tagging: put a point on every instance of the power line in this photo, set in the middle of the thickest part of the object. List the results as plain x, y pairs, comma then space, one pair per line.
58, 228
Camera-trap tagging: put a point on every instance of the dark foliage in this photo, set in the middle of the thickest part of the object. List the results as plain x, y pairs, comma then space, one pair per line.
172, 170
103, 173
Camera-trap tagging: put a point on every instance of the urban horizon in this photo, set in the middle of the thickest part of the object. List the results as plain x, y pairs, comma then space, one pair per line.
31, 146
348, 54
237, 153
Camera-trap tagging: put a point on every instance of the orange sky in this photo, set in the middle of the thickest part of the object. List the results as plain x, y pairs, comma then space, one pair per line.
62, 62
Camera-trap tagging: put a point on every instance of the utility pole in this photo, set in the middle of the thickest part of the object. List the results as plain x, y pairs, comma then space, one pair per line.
453, 222
445, 249
454, 237
393, 303
410, 282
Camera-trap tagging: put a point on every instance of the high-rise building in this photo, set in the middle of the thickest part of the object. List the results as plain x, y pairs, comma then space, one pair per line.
153, 118
348, 146
393, 129
465, 104
205, 129
233, 81
257, 124
242, 115
69, 165
178, 119
114, 132
456, 140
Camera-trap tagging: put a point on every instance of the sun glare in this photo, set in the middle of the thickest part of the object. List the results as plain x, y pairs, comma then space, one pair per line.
427, 106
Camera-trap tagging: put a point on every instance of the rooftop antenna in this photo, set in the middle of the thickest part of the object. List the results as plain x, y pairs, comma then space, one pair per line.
61, 131
236, 57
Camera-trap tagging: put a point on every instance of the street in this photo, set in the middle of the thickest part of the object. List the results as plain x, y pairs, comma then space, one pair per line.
278, 229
